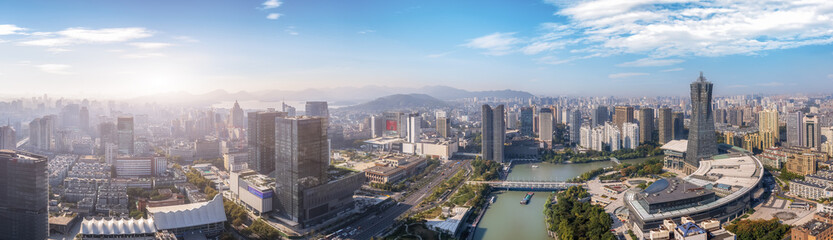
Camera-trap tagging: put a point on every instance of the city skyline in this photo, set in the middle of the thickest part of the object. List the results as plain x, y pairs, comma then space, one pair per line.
548, 48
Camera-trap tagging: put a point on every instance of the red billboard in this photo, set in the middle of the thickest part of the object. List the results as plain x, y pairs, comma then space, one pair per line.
390, 125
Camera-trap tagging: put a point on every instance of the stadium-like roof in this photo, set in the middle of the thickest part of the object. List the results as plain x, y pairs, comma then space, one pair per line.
187, 215
117, 226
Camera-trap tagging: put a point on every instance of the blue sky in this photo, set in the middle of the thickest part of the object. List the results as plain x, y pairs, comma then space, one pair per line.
594, 47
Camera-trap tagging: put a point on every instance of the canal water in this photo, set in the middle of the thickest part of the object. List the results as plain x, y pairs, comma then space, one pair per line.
508, 219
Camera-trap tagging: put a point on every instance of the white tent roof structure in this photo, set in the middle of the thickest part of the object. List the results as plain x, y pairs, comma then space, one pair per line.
117, 226
187, 215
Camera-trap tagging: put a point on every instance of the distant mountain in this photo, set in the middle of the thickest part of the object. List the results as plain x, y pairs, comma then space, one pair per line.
398, 102
339, 96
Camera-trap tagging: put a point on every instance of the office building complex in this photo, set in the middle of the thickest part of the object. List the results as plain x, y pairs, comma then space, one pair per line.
622, 115
527, 121
794, 132
811, 132
261, 134
124, 128
646, 125
545, 126
493, 129
665, 125
702, 142
24, 195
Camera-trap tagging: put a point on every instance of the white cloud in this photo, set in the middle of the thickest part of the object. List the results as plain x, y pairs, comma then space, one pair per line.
438, 55
650, 62
290, 30
626, 75
496, 43
186, 39
273, 16
150, 45
143, 55
61, 69
672, 70
9, 29
268, 4
366, 31
72, 36
669, 28
57, 50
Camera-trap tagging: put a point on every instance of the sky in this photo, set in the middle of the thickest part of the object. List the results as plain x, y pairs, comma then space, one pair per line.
122, 49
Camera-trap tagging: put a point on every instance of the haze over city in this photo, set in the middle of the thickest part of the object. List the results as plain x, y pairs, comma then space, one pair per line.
416, 120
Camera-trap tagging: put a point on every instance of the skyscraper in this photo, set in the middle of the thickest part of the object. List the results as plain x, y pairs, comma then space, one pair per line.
377, 126
107, 134
262, 140
317, 109
794, 132
545, 126
665, 125
301, 160
236, 116
646, 125
599, 116
414, 127
84, 118
622, 115
24, 196
125, 130
443, 126
702, 142
768, 126
811, 132
575, 126
8, 140
527, 121
630, 135
493, 129
678, 125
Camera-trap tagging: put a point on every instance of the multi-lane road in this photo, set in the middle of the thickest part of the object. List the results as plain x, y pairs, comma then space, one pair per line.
373, 225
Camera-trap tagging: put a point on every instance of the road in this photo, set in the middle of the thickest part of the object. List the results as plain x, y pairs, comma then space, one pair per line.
370, 227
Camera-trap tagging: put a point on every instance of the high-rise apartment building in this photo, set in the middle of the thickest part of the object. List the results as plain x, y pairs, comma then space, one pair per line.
124, 128
493, 130
794, 132
630, 135
414, 127
646, 125
84, 118
665, 125
377, 126
768, 126
8, 140
443, 126
107, 135
811, 132
24, 196
236, 116
702, 142
545, 126
261, 134
575, 126
622, 115
527, 120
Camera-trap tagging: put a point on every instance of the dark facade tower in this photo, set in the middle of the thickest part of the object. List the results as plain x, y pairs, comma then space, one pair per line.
262, 140
646, 125
301, 154
493, 130
702, 142
622, 115
600, 116
527, 121
664, 123
125, 135
24, 196
678, 127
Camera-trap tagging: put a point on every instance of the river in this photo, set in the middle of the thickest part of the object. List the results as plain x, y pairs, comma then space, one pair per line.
508, 219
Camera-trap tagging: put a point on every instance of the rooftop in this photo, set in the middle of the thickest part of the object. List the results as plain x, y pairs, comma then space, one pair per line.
116, 226
676, 145
672, 189
187, 215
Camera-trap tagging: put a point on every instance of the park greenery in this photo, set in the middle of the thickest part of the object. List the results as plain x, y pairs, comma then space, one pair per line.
469, 195
759, 229
393, 187
485, 170
789, 176
446, 186
194, 177
652, 166
644, 150
572, 219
